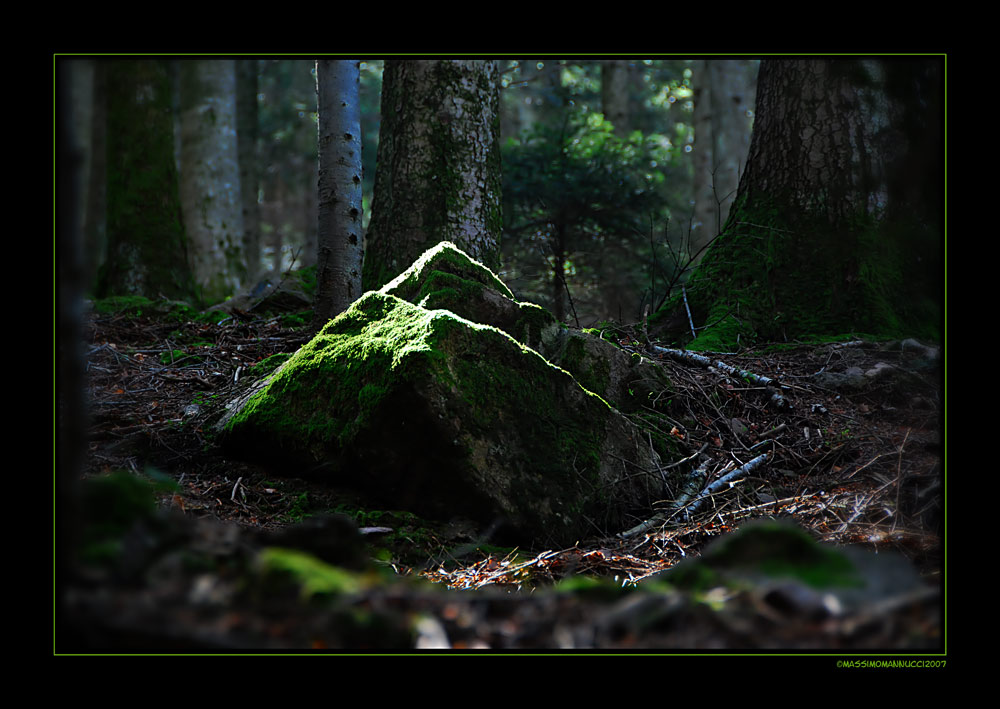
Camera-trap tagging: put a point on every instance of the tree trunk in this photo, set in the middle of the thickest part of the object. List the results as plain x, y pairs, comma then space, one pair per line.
95, 236
438, 175
246, 137
210, 176
71, 403
810, 247
340, 254
722, 89
732, 95
705, 223
147, 247
615, 94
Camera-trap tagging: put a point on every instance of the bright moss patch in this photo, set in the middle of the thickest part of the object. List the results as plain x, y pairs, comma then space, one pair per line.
445, 257
269, 364
277, 566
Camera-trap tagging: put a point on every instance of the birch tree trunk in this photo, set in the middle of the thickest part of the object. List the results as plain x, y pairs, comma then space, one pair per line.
340, 252
438, 174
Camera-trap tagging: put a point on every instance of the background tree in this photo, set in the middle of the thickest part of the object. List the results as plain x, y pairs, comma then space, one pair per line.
210, 175
340, 252
438, 174
615, 191
577, 204
147, 246
817, 242
616, 85
288, 161
705, 224
246, 145
723, 93
69, 405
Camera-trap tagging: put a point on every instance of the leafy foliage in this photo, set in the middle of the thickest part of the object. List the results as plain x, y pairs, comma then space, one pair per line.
577, 200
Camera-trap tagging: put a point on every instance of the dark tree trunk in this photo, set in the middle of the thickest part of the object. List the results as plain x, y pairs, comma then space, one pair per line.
438, 174
813, 245
71, 412
246, 137
95, 218
147, 246
812, 142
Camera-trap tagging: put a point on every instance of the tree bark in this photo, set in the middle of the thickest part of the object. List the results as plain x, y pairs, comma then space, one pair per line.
246, 137
438, 175
210, 176
733, 93
705, 223
147, 246
340, 251
811, 145
615, 94
812, 246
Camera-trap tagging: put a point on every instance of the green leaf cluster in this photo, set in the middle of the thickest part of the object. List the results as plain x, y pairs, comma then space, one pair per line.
579, 198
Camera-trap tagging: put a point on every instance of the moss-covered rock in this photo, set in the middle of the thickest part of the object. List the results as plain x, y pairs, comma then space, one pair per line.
430, 411
446, 278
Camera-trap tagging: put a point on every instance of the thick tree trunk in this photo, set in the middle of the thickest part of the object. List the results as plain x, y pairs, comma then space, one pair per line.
147, 247
210, 176
810, 247
438, 175
811, 148
340, 253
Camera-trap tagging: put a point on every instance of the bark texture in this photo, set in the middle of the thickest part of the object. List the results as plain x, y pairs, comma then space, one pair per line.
246, 136
340, 251
147, 247
438, 174
705, 224
817, 244
811, 149
210, 176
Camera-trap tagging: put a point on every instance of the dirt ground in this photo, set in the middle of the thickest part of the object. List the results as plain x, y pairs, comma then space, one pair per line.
856, 462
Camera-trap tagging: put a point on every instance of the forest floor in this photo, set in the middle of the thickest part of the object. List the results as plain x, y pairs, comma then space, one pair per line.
863, 467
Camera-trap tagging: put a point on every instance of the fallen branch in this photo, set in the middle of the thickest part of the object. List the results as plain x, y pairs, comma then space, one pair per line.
742, 470
681, 504
702, 360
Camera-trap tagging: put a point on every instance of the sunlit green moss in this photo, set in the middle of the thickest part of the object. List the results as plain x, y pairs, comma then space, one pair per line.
312, 576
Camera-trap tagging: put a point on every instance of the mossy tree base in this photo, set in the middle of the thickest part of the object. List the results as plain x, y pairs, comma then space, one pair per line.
770, 278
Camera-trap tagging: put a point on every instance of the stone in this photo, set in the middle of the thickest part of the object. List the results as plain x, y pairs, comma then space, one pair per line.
444, 277
429, 411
